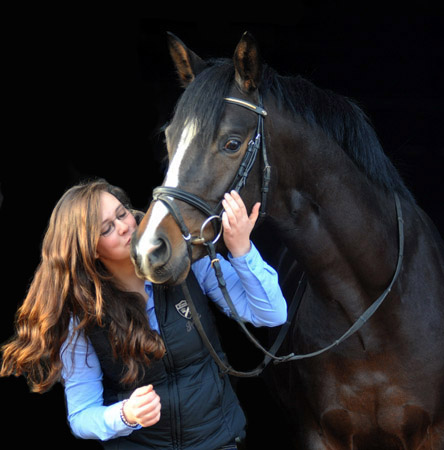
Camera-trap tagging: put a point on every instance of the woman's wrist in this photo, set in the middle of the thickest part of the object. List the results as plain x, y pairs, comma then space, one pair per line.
123, 416
240, 251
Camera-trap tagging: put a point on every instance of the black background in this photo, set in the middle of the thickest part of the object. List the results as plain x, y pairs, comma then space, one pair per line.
85, 95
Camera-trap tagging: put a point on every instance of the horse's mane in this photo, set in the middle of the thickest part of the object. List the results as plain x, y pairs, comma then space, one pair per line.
339, 117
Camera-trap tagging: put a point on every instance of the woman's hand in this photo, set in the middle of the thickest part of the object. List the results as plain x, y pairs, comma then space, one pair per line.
238, 224
143, 407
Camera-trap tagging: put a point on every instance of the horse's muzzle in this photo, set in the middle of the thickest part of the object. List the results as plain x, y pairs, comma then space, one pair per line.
157, 263
157, 256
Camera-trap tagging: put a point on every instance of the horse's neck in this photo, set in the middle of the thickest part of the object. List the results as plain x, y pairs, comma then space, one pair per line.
341, 228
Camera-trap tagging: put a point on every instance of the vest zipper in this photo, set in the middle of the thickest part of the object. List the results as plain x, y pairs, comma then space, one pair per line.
172, 385
174, 399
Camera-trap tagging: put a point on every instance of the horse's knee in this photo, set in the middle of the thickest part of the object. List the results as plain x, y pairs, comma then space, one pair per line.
415, 427
337, 429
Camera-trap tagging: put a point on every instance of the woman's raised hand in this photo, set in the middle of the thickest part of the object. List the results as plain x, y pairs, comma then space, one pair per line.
237, 223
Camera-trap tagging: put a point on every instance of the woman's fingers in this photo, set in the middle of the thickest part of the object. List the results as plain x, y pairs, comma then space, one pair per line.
143, 406
149, 414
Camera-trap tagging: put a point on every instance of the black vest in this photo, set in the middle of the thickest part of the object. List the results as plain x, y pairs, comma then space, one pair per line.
199, 408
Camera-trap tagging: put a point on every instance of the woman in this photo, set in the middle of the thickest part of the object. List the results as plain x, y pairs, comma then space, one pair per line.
135, 372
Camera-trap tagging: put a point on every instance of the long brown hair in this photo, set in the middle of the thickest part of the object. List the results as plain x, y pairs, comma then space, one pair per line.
71, 283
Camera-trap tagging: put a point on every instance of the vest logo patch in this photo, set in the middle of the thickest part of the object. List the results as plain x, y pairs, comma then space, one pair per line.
183, 309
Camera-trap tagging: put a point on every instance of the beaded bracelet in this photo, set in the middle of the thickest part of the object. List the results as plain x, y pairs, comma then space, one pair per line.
122, 416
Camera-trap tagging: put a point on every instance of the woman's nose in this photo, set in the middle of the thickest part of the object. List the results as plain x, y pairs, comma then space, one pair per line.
122, 226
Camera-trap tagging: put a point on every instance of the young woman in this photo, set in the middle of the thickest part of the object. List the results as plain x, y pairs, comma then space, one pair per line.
135, 371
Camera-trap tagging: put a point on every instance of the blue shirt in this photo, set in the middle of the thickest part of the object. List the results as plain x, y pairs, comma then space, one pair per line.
255, 292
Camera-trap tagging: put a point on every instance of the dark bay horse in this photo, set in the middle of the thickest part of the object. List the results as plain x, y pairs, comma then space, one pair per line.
332, 201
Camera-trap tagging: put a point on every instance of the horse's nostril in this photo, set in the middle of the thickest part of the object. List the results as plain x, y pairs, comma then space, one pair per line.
159, 254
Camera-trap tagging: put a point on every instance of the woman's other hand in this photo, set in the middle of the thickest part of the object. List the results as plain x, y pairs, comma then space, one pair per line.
143, 407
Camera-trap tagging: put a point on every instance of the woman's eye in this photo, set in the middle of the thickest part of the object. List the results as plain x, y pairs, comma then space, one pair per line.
232, 145
106, 231
123, 214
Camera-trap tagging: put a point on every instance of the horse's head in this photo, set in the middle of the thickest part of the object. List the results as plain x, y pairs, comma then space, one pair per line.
207, 141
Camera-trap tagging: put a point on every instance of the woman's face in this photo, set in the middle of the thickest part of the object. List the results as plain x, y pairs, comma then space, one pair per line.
117, 227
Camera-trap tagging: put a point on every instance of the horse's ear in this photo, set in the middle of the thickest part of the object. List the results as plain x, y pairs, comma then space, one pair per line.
187, 63
247, 63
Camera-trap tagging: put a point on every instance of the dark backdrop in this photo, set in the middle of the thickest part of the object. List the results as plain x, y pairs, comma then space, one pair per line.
86, 96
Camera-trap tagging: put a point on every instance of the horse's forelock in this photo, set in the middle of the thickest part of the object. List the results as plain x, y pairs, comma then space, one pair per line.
203, 101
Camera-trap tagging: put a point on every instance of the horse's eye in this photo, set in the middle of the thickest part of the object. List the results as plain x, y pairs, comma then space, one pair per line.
232, 145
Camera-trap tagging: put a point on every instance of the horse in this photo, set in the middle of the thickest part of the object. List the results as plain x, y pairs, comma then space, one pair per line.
373, 261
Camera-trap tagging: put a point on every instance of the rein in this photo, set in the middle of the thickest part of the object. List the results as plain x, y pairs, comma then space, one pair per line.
271, 354
167, 194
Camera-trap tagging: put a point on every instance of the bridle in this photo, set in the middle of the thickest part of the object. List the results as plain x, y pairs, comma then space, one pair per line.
167, 194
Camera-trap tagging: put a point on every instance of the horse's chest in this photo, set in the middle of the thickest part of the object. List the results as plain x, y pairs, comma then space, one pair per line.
370, 399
